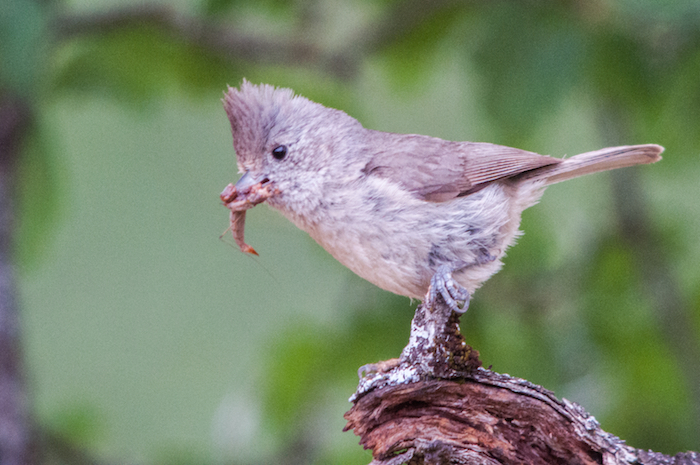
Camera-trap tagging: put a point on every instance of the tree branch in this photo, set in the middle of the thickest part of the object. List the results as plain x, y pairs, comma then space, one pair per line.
224, 40
221, 39
436, 405
15, 431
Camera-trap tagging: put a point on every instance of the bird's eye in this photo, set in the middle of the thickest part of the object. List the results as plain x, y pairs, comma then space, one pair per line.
279, 152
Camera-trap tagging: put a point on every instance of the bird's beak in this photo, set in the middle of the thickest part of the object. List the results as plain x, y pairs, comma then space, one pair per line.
250, 189
246, 182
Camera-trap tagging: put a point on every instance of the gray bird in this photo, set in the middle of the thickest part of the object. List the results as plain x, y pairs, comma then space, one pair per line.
416, 215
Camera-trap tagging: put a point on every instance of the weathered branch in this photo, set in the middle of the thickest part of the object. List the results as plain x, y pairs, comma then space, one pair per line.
222, 39
437, 405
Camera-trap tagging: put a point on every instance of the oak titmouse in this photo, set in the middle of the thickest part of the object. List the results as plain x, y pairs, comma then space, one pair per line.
415, 215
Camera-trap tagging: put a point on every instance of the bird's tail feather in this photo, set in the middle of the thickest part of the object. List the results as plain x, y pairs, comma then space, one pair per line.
592, 162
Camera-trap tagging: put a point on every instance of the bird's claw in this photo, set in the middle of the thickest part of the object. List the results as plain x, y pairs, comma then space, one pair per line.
453, 293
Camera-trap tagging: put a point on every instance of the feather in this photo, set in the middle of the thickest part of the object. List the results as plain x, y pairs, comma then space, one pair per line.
436, 170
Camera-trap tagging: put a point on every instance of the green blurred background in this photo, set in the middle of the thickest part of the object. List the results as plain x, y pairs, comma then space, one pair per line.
148, 340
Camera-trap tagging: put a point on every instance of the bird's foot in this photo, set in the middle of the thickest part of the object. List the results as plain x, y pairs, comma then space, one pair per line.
456, 296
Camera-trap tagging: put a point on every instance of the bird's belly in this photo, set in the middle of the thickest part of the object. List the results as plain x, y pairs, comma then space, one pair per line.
398, 247
390, 259
398, 244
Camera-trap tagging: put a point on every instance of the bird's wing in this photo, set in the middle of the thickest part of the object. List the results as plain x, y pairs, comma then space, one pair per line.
436, 170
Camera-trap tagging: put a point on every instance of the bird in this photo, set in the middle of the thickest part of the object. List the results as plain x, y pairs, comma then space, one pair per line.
415, 215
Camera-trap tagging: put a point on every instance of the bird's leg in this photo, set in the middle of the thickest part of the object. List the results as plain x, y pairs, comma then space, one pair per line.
454, 294
433, 326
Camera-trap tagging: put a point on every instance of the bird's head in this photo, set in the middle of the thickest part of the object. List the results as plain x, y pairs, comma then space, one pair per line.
288, 141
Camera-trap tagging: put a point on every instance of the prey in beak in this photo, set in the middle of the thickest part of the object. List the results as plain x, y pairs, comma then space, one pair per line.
246, 194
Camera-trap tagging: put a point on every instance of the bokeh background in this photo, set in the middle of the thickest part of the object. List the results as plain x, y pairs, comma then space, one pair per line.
148, 340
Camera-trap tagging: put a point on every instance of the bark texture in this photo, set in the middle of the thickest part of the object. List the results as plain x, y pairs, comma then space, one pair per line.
437, 405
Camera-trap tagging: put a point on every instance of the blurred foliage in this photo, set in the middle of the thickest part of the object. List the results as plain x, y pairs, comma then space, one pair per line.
531, 56
275, 7
309, 363
24, 58
411, 56
79, 425
39, 193
583, 325
652, 384
24, 46
120, 63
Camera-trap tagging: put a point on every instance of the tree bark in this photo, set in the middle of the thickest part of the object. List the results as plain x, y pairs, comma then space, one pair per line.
437, 405
15, 430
